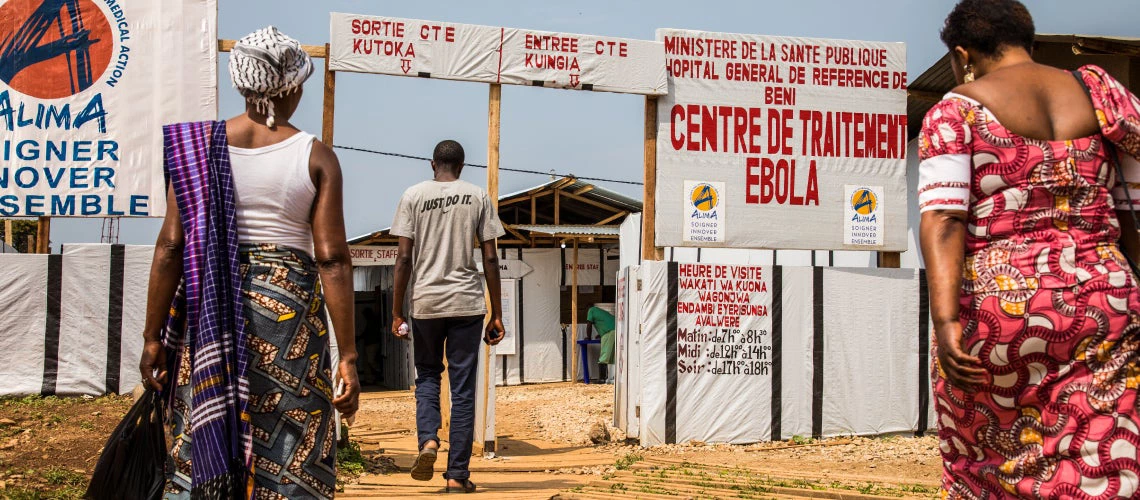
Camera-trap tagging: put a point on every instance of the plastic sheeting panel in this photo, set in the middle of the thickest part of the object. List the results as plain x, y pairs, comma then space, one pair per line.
870, 341
840, 363
84, 338
23, 291
541, 333
73, 322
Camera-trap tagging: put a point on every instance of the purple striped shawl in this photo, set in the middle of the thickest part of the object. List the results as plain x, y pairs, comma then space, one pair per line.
197, 165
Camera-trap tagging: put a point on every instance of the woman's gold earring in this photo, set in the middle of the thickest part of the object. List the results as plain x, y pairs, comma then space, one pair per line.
969, 77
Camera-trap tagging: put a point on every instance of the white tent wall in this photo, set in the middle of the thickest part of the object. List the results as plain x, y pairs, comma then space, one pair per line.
540, 333
139, 258
654, 386
629, 241
627, 353
870, 368
24, 296
869, 379
83, 319
796, 326
63, 333
912, 258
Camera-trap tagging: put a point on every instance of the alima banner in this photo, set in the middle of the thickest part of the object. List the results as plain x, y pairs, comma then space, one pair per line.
781, 143
489, 54
85, 88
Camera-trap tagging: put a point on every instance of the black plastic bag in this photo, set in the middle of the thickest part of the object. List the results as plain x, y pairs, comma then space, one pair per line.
133, 461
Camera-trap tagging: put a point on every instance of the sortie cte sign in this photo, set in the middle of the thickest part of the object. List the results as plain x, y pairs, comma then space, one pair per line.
489, 54
85, 87
786, 124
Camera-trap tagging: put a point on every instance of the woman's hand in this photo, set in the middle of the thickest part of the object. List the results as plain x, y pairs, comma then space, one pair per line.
961, 369
348, 401
153, 361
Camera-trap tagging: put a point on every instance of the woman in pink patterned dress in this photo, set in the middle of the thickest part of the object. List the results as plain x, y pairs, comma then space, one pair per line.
1035, 308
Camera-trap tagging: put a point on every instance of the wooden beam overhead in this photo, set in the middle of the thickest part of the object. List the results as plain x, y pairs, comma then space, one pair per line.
588, 201
1108, 47
611, 218
318, 51
565, 182
584, 190
925, 95
522, 198
511, 229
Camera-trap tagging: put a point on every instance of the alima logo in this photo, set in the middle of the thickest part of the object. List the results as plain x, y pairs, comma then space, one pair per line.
53, 48
704, 197
864, 201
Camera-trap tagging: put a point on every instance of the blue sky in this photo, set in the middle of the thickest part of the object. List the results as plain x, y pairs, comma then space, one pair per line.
583, 133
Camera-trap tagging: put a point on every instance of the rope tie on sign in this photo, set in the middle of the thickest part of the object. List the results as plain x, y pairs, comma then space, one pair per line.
518, 170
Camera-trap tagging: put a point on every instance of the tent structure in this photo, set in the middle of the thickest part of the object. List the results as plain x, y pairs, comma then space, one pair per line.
559, 257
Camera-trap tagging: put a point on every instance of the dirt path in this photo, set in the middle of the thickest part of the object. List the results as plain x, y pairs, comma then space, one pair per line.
48, 447
545, 452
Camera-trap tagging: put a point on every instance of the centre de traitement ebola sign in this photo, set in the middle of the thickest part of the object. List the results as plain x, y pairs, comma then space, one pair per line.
782, 143
85, 87
490, 54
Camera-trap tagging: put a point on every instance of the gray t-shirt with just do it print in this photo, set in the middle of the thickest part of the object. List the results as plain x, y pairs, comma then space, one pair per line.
444, 219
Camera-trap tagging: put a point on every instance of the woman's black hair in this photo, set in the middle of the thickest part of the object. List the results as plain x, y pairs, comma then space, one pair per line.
988, 26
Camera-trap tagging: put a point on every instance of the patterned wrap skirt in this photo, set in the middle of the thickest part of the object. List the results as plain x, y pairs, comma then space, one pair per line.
290, 381
1058, 418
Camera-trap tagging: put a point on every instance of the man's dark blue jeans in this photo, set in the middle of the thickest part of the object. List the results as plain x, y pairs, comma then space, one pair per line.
461, 336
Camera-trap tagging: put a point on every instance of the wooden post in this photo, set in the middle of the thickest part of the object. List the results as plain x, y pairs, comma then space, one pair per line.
649, 214
8, 231
533, 216
494, 105
329, 103
557, 207
494, 102
574, 316
892, 260
43, 235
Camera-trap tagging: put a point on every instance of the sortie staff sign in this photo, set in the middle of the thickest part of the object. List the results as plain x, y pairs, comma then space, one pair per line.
85, 87
489, 54
807, 135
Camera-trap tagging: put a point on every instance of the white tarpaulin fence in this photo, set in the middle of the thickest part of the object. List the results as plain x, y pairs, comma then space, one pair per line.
741, 354
85, 139
805, 137
73, 323
491, 54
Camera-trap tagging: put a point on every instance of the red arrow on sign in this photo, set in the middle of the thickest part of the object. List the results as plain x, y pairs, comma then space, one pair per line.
406, 65
574, 80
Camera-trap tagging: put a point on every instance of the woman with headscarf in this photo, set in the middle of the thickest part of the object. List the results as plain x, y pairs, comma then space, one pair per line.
1035, 308
236, 333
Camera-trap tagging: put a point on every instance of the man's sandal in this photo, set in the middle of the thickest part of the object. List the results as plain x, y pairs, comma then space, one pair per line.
468, 487
424, 468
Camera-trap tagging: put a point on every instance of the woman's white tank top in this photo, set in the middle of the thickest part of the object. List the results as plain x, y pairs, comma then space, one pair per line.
274, 193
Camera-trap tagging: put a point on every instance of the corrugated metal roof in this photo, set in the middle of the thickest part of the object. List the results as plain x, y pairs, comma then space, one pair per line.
608, 230
926, 90
597, 193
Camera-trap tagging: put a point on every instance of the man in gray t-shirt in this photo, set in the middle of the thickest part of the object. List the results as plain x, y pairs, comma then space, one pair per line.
437, 222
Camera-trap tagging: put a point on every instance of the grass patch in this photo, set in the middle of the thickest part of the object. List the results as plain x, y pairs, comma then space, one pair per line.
57, 476
349, 464
627, 461
798, 439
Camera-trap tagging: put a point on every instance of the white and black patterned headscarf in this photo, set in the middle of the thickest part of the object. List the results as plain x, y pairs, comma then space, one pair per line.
267, 64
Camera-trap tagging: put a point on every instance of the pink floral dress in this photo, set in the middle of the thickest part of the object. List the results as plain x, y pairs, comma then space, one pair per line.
1048, 302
